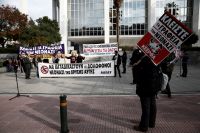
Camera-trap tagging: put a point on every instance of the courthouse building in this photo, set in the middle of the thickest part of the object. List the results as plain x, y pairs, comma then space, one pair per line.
90, 21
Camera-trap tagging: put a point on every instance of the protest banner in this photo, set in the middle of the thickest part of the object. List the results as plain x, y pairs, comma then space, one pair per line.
42, 50
166, 35
76, 69
99, 49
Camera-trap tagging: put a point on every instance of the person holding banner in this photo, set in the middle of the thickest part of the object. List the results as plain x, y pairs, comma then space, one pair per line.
72, 58
117, 62
79, 58
147, 87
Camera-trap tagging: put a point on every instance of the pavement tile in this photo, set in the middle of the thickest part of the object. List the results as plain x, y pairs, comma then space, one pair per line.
97, 114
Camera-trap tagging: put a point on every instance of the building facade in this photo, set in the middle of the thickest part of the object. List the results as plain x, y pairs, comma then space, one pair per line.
93, 21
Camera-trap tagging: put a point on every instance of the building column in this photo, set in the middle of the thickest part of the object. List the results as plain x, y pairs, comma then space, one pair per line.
54, 11
106, 22
196, 19
151, 13
63, 23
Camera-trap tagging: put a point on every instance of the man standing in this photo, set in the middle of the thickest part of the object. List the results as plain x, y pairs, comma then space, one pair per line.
117, 62
79, 58
27, 66
184, 63
124, 59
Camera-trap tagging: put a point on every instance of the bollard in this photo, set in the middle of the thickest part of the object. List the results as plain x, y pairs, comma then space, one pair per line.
63, 114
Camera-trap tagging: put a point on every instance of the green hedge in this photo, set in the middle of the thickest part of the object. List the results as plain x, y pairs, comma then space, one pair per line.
9, 50
126, 48
1, 64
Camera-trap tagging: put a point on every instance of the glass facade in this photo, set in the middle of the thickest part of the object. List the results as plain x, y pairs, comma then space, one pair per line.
85, 17
132, 17
184, 12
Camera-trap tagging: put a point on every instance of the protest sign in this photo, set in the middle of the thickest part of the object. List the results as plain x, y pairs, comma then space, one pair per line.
165, 37
42, 50
99, 49
169, 31
76, 69
152, 48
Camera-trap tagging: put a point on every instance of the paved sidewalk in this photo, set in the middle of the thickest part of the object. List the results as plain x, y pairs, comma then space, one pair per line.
97, 114
94, 85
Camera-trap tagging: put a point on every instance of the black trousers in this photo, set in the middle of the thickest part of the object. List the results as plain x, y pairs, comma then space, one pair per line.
27, 71
149, 111
117, 69
124, 67
167, 89
184, 66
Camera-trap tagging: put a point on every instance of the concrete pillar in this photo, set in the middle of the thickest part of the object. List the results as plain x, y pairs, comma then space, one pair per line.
106, 22
54, 11
151, 13
196, 19
63, 23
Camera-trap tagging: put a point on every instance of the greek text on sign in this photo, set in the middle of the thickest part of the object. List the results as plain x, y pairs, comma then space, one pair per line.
99, 49
170, 32
76, 69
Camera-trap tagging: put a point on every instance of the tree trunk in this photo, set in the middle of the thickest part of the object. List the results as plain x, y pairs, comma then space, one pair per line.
117, 27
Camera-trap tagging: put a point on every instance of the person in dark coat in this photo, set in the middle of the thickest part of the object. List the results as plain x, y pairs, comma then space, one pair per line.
27, 64
136, 55
79, 58
117, 63
124, 60
147, 93
185, 58
167, 66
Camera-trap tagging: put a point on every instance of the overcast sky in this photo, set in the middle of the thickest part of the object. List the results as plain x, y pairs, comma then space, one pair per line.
33, 8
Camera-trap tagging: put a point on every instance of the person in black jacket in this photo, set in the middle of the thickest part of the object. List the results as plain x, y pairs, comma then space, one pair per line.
117, 62
147, 92
136, 55
79, 58
27, 64
185, 58
124, 60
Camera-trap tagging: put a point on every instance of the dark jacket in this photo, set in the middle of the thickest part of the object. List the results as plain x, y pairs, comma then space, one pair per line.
145, 83
80, 59
136, 55
118, 59
124, 58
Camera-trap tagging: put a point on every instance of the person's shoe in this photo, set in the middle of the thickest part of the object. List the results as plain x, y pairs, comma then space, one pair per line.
123, 72
164, 92
141, 129
120, 76
151, 126
169, 96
